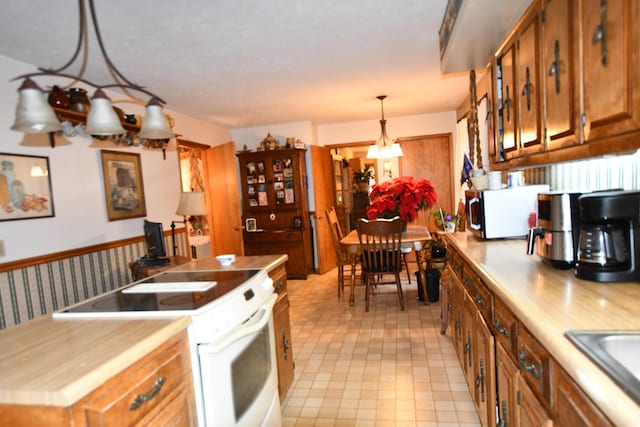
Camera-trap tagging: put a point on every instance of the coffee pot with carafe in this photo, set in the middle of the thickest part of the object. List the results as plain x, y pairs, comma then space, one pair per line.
609, 246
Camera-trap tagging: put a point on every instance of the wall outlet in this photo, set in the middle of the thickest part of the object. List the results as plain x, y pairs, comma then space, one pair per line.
2, 248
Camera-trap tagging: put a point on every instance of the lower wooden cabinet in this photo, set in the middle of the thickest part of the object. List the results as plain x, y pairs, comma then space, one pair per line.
512, 378
157, 390
287, 241
282, 331
572, 406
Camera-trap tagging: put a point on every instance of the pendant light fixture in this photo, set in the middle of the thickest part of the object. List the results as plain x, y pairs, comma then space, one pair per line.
35, 115
384, 147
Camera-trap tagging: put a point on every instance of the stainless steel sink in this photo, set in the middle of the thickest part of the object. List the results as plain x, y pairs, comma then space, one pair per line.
616, 353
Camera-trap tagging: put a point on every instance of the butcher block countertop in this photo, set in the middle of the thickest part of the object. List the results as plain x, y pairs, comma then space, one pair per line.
56, 362
549, 302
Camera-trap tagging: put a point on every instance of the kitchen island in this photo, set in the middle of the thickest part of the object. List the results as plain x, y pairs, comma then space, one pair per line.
50, 367
548, 302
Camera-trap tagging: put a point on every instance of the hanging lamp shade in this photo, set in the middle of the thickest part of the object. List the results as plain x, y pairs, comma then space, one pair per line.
154, 123
102, 118
33, 112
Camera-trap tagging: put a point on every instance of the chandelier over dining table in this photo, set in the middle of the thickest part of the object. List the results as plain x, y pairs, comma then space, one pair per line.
35, 114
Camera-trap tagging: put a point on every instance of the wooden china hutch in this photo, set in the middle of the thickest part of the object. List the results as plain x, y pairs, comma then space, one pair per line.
275, 207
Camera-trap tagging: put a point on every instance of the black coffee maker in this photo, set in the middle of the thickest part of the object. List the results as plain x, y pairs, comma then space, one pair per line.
609, 247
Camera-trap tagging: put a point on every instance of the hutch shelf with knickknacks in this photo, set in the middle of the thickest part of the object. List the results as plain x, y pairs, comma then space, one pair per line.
274, 198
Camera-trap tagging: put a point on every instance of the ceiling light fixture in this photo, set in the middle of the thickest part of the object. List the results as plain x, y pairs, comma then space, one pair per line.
34, 114
384, 147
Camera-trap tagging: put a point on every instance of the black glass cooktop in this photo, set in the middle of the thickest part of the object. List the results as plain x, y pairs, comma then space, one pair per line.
124, 302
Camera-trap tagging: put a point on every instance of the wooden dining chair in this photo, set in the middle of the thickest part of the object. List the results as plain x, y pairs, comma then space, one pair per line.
381, 257
345, 258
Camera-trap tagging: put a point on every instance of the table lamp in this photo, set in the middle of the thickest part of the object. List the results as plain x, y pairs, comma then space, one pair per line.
191, 205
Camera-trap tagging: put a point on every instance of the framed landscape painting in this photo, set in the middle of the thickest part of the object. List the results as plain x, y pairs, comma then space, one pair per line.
25, 187
123, 187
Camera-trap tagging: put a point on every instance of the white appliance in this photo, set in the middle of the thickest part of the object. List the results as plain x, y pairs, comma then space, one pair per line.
496, 214
231, 336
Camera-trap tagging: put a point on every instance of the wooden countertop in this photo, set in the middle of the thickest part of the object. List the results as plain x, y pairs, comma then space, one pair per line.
56, 362
550, 302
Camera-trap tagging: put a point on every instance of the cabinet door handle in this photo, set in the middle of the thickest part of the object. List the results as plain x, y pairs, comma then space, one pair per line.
479, 300
467, 348
142, 398
527, 367
600, 33
507, 104
285, 343
480, 381
526, 90
503, 415
500, 329
555, 66
279, 286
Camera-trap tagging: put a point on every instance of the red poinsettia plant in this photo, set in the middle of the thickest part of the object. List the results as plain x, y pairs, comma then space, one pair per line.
402, 197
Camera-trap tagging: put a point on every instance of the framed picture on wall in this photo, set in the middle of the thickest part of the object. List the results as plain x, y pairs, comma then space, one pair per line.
25, 187
123, 186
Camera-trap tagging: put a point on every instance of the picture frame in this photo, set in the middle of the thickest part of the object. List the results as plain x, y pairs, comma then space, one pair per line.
123, 185
25, 187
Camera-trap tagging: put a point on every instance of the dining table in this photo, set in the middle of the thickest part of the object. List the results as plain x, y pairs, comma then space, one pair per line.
411, 239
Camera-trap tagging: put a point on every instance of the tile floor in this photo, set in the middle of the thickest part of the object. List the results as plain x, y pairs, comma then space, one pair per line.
386, 367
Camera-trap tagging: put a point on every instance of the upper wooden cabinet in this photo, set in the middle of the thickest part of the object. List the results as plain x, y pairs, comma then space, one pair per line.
529, 89
570, 75
610, 67
560, 73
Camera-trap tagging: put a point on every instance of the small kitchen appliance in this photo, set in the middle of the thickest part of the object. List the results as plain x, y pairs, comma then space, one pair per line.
609, 245
558, 229
496, 214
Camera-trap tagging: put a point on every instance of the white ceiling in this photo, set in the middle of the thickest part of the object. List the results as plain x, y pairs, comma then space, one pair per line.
242, 63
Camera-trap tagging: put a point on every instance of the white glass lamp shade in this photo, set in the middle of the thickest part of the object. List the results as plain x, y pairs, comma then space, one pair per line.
396, 150
191, 204
102, 118
374, 152
33, 112
154, 123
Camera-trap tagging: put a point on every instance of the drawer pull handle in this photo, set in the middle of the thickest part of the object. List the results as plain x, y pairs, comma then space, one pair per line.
479, 300
500, 329
142, 398
279, 286
530, 368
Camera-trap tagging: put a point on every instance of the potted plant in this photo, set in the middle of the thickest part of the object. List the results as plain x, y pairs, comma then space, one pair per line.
362, 178
402, 197
445, 221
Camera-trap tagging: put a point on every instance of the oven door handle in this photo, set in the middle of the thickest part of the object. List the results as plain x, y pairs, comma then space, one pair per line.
252, 325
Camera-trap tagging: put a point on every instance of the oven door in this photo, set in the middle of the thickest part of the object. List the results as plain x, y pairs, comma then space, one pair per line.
238, 374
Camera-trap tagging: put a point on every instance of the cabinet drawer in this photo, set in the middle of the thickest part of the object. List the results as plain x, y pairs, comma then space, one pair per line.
456, 263
505, 326
483, 300
535, 364
273, 236
137, 391
279, 277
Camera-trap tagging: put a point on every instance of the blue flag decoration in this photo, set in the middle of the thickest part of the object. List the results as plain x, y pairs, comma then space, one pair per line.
466, 170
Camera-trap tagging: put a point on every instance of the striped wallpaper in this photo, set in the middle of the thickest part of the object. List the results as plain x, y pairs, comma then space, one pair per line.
35, 290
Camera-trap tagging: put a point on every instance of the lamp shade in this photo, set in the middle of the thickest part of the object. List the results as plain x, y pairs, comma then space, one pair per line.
154, 123
373, 152
191, 204
33, 112
102, 118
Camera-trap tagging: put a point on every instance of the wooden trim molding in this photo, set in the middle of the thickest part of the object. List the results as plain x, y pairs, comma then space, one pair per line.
57, 256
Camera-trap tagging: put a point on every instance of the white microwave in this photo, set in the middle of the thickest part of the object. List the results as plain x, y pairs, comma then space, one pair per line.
500, 214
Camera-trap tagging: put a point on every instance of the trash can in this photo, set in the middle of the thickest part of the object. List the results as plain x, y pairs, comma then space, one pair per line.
433, 285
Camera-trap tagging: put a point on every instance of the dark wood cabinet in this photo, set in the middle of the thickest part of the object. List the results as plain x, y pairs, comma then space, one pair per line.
274, 194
